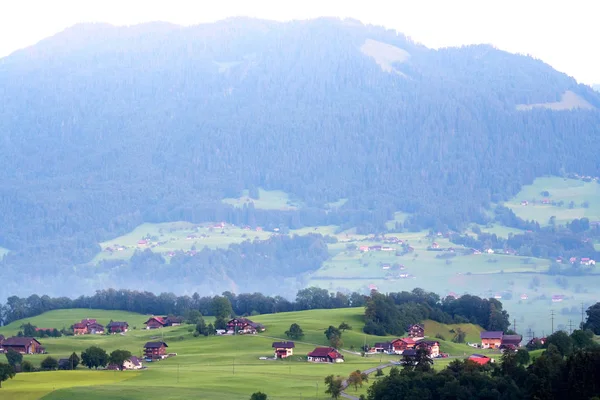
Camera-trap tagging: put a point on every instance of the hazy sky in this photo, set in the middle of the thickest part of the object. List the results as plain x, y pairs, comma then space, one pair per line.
563, 33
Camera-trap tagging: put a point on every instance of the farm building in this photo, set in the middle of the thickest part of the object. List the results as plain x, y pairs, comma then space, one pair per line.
511, 341
161, 322
325, 355
283, 349
244, 325
383, 347
498, 340
416, 331
155, 350
117, 327
23, 345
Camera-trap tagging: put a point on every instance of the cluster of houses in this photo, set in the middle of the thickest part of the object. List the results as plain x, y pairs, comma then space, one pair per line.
243, 326
499, 340
21, 344
318, 355
92, 327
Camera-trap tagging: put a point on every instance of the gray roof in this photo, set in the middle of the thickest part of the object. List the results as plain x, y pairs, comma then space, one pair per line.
491, 335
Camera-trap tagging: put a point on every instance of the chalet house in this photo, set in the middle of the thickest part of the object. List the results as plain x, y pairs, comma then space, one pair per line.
87, 326
491, 339
23, 345
383, 347
325, 355
79, 328
132, 363
117, 327
375, 248
511, 341
557, 298
283, 349
524, 296
364, 249
480, 359
432, 347
155, 350
244, 325
155, 322
416, 331
399, 345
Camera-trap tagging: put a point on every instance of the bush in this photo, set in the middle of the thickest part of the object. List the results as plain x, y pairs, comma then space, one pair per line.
49, 364
27, 366
440, 336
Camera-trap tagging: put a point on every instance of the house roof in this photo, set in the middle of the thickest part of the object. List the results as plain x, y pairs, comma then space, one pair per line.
405, 340
19, 341
117, 324
512, 339
79, 325
135, 361
88, 321
283, 345
416, 326
155, 345
409, 353
491, 335
160, 320
383, 345
479, 359
96, 325
428, 342
174, 320
325, 352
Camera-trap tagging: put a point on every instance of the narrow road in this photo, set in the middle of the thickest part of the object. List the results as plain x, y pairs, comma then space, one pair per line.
366, 371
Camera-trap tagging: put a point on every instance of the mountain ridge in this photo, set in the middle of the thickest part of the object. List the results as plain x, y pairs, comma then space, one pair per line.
132, 125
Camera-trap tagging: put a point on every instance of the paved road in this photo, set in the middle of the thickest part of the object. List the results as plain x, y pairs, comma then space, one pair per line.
366, 371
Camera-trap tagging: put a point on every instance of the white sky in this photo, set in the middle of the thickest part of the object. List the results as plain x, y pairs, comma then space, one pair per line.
563, 33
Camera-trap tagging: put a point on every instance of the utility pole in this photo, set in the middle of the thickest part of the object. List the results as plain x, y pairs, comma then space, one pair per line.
552, 316
570, 327
529, 334
515, 325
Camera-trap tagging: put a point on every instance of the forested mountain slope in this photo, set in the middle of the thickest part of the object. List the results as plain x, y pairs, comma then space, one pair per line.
102, 128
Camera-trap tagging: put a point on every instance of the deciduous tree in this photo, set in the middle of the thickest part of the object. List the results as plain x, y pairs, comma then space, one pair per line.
94, 357
6, 372
118, 357
295, 332
334, 386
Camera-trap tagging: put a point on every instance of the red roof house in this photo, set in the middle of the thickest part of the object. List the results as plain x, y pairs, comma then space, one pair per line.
399, 345
325, 354
117, 327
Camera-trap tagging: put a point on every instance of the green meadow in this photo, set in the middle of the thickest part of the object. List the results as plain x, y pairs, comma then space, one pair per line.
560, 189
214, 367
270, 200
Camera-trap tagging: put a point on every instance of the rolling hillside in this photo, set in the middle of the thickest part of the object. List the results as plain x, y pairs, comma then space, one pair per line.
229, 366
105, 128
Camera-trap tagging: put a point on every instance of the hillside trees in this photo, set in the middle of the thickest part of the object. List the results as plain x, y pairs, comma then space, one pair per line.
357, 143
295, 332
13, 357
118, 357
94, 357
333, 386
6, 372
49, 364
593, 319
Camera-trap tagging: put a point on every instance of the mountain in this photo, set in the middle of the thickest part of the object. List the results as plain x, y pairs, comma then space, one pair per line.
103, 128
596, 87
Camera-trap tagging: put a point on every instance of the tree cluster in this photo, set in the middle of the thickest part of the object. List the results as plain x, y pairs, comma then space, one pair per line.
392, 313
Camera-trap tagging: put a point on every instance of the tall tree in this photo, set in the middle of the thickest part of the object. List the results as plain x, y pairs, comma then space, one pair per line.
333, 386
13, 357
295, 332
118, 357
6, 372
94, 357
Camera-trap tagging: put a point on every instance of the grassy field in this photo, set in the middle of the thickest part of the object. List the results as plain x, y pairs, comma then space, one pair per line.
269, 200
560, 189
205, 367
